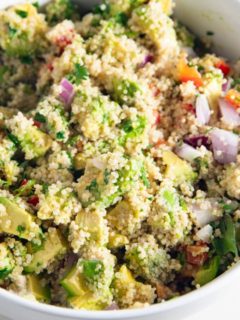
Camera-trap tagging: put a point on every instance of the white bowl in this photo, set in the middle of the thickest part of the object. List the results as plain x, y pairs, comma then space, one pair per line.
222, 18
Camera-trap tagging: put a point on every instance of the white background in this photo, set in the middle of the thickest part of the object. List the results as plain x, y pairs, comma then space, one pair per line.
225, 308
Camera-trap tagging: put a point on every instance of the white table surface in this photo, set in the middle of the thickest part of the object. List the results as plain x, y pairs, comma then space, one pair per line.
225, 308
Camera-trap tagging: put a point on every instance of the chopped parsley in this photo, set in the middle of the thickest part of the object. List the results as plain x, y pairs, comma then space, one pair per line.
144, 178
60, 135
93, 187
106, 176
40, 118
20, 229
103, 10
79, 74
121, 18
26, 60
12, 32
14, 139
23, 14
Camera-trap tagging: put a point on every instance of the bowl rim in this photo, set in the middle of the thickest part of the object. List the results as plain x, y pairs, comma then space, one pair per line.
181, 301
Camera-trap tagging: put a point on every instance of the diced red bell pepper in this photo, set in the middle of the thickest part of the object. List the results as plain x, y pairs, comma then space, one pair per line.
33, 200
233, 97
24, 182
223, 66
187, 73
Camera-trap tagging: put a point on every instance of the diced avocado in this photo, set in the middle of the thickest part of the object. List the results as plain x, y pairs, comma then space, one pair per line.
79, 161
123, 282
54, 247
117, 241
208, 272
89, 302
74, 283
88, 283
22, 30
177, 170
93, 223
7, 261
34, 142
39, 291
17, 221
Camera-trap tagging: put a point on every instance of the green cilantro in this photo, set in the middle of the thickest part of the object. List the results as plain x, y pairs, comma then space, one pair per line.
127, 125
23, 14
12, 32
45, 188
93, 188
36, 5
20, 229
144, 178
40, 118
106, 176
92, 269
121, 18
103, 10
79, 73
14, 139
60, 135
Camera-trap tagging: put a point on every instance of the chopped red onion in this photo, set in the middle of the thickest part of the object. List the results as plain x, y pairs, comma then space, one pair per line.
112, 307
229, 113
227, 85
67, 92
198, 141
187, 152
190, 52
205, 211
148, 59
203, 111
225, 145
205, 233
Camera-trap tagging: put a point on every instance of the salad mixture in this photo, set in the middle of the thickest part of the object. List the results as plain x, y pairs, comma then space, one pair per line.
119, 155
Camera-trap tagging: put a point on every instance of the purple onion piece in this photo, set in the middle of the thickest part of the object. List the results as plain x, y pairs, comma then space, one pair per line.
229, 113
67, 92
198, 141
227, 85
187, 152
113, 306
203, 112
148, 59
225, 145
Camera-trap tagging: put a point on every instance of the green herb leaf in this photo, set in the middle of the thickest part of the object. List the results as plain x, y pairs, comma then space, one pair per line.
20, 229
121, 18
14, 139
79, 74
227, 243
12, 32
144, 178
23, 14
106, 176
94, 188
40, 118
103, 10
26, 60
60, 135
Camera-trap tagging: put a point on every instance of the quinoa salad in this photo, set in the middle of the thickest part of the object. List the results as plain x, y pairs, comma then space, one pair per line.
119, 155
